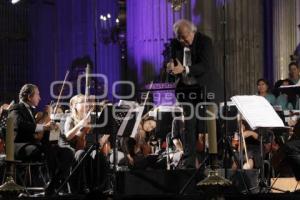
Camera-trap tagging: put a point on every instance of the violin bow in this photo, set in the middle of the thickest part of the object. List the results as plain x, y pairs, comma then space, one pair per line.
60, 92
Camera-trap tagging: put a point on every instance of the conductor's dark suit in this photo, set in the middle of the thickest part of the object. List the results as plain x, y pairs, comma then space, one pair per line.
200, 71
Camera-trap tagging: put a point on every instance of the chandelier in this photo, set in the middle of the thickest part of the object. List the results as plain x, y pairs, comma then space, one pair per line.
109, 29
177, 4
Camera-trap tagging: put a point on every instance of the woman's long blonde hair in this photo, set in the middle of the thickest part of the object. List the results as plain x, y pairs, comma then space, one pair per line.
79, 98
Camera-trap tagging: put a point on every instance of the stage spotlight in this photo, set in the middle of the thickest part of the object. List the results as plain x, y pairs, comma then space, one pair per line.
14, 1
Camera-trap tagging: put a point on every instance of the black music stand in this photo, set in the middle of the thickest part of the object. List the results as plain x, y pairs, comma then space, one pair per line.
164, 117
293, 91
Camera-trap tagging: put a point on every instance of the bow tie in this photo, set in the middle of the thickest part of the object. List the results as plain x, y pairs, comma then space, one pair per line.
32, 110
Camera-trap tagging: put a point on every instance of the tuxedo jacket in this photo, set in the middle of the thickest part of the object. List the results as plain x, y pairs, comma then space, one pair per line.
201, 57
24, 124
203, 68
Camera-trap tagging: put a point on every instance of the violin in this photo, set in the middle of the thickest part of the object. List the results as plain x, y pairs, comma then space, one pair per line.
235, 141
80, 141
105, 145
42, 118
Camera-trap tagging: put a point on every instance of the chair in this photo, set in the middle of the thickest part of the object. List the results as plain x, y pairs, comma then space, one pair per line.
30, 180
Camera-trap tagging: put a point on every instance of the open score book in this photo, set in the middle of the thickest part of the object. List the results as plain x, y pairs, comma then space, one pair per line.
257, 111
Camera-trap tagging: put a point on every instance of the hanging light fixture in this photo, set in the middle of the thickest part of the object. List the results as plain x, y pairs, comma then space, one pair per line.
177, 4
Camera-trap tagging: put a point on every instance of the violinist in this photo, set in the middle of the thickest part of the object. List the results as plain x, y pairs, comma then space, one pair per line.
253, 150
137, 149
76, 128
43, 117
26, 144
28, 133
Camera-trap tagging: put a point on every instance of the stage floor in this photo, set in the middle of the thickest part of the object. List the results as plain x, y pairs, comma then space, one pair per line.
163, 184
269, 196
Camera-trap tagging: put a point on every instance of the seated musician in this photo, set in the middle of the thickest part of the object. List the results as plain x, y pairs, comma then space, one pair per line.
286, 102
251, 136
77, 125
291, 151
252, 145
294, 72
263, 90
28, 133
175, 143
138, 149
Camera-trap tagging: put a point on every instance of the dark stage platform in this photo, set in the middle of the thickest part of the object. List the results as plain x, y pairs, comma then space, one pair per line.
269, 196
162, 184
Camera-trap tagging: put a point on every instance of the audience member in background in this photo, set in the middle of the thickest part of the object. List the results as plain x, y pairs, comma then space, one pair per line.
286, 102
263, 90
294, 72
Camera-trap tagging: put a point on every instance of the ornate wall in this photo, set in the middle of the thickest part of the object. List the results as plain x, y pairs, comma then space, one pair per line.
285, 20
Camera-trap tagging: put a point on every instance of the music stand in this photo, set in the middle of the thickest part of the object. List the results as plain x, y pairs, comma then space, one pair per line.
292, 91
164, 116
260, 115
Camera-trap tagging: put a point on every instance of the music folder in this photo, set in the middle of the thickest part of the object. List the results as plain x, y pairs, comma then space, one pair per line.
257, 111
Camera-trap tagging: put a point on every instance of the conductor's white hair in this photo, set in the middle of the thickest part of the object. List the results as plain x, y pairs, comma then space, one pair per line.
183, 22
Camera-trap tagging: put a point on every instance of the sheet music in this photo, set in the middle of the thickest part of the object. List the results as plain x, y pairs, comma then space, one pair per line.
257, 111
138, 121
290, 86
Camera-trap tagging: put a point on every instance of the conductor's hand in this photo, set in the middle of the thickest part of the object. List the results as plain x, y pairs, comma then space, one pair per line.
170, 67
179, 69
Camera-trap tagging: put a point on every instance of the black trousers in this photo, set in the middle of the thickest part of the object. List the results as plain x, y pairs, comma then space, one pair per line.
59, 159
91, 173
192, 101
29, 152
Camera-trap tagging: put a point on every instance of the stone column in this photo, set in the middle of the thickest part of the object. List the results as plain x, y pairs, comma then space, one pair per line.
285, 35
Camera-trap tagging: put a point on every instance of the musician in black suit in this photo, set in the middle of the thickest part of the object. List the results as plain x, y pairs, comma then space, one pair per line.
191, 63
27, 132
28, 135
